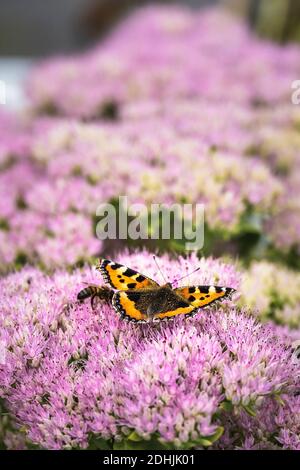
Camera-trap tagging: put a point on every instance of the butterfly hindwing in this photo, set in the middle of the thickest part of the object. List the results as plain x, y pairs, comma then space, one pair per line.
122, 278
148, 305
200, 296
129, 304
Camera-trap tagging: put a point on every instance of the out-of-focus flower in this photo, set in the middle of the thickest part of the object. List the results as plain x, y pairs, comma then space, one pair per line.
152, 56
284, 228
14, 139
72, 167
52, 241
188, 131
162, 162
273, 292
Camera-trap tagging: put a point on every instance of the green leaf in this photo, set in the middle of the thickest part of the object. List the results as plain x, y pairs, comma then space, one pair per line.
177, 245
135, 442
251, 222
204, 442
249, 410
97, 443
207, 441
216, 435
134, 437
166, 445
4, 225
279, 399
226, 406
123, 445
152, 444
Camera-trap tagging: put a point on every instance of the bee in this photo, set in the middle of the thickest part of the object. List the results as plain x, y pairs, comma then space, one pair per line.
92, 291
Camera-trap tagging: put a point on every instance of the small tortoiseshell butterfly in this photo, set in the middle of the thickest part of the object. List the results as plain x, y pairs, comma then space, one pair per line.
140, 299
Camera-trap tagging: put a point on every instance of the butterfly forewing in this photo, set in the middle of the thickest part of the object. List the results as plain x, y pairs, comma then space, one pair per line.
122, 278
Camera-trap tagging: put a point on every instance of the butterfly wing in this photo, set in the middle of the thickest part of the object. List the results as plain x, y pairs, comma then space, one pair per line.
148, 305
200, 296
122, 278
132, 305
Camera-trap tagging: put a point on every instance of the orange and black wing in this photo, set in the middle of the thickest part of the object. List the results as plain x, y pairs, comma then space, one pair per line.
146, 305
200, 296
127, 305
122, 278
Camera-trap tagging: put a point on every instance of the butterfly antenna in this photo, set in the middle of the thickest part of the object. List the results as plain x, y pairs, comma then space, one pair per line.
186, 275
162, 274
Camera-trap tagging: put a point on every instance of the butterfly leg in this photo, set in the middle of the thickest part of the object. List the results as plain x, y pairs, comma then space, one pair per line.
151, 312
93, 301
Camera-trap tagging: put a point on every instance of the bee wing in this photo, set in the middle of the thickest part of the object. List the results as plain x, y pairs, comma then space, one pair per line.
90, 284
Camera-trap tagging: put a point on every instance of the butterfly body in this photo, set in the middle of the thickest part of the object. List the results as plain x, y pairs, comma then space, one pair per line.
140, 299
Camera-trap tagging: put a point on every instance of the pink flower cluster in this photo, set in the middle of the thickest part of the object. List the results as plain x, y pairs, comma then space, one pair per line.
164, 52
70, 168
51, 235
71, 373
272, 291
188, 131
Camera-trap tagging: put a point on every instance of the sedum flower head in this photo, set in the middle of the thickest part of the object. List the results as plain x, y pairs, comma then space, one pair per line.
273, 291
71, 373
